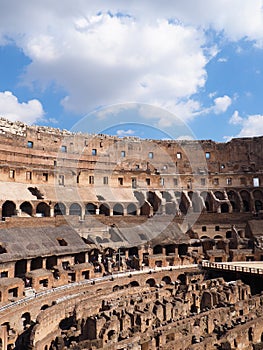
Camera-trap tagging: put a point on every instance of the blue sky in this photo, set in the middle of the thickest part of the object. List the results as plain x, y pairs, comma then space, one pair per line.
159, 69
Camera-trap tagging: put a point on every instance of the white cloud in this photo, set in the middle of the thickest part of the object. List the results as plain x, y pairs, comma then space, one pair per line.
101, 58
236, 119
155, 52
222, 59
222, 104
12, 109
252, 126
128, 132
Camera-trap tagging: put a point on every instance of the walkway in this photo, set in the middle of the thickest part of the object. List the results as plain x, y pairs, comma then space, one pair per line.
251, 267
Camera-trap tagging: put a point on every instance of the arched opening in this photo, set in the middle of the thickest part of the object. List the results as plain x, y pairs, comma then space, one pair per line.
118, 209
218, 237
258, 205
44, 307
245, 195
154, 200
43, 209
151, 282
182, 278
224, 208
26, 208
90, 209
75, 209
36, 263
145, 209
219, 195
246, 206
8, 209
26, 319
134, 284
234, 200
207, 201
167, 279
131, 209
184, 204
104, 209
59, 209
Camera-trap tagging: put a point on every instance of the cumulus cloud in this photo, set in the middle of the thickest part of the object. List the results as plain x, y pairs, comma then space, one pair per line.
103, 53
122, 132
251, 125
236, 119
222, 104
14, 110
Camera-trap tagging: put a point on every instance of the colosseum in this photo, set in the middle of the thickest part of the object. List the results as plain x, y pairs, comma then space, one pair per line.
125, 243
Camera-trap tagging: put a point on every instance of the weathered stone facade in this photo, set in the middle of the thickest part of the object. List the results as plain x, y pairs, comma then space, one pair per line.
101, 241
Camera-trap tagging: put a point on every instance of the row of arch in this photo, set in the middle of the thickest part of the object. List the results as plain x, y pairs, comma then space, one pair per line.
9, 209
170, 203
220, 201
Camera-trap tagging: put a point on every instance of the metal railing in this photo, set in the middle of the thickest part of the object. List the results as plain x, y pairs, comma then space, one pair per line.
232, 267
92, 281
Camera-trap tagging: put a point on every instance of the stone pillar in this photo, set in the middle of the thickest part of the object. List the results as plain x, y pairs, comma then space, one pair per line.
4, 337
111, 212
140, 255
252, 203
97, 211
44, 263
28, 265
52, 213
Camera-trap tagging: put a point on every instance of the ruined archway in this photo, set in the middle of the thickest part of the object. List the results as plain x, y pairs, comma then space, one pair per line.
145, 209
245, 195
154, 200
75, 209
8, 209
167, 279
118, 209
26, 208
219, 195
151, 282
59, 209
90, 209
208, 201
104, 209
131, 209
43, 209
234, 200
